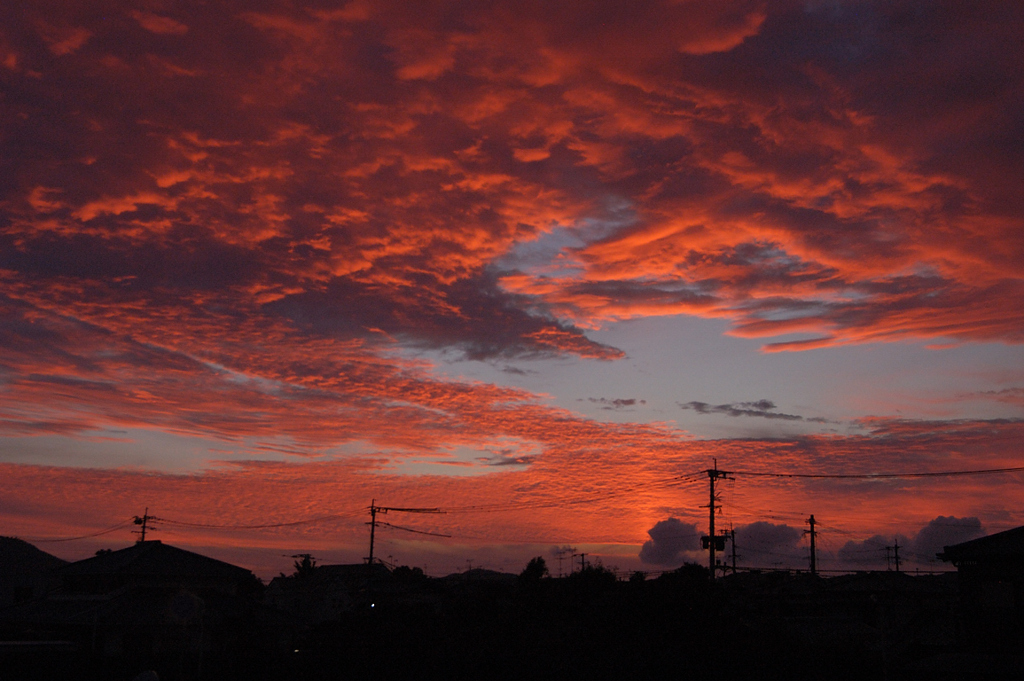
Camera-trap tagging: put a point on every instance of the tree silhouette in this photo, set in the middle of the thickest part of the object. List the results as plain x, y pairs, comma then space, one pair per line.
409, 575
306, 567
536, 569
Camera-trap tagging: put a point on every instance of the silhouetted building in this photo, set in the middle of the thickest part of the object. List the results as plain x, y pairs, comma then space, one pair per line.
155, 565
991, 574
148, 606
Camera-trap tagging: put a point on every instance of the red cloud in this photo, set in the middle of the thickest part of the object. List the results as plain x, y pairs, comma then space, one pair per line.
623, 480
397, 156
228, 221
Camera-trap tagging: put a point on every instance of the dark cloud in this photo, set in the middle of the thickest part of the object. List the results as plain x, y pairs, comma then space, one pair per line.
769, 545
941, 532
872, 553
508, 459
1008, 395
760, 408
670, 540
759, 544
564, 551
879, 552
472, 315
616, 404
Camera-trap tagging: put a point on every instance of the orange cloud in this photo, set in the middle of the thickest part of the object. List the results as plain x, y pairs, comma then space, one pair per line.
584, 489
233, 223
777, 196
159, 24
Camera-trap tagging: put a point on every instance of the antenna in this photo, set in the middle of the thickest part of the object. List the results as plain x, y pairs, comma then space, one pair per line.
561, 552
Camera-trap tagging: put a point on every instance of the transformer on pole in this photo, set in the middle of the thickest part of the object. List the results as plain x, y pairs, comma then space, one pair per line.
712, 542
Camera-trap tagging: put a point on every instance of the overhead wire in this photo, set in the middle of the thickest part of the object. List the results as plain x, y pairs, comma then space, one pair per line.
262, 526
408, 529
882, 476
115, 528
580, 498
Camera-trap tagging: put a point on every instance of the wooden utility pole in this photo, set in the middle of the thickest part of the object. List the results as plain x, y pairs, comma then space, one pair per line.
143, 521
375, 509
711, 539
732, 538
813, 534
373, 528
896, 553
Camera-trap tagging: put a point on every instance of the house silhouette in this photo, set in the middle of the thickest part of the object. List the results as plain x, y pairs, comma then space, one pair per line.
149, 606
991, 576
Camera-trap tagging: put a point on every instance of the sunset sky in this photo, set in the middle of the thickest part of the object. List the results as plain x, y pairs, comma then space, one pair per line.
537, 264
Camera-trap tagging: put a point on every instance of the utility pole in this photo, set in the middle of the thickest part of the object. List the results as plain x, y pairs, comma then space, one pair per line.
896, 553
814, 562
571, 550
375, 509
732, 537
373, 528
143, 521
712, 542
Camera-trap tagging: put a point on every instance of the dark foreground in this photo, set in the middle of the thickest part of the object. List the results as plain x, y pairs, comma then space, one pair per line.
482, 625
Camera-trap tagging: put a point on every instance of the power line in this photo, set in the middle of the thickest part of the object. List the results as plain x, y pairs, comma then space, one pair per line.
409, 529
306, 521
88, 536
663, 483
576, 500
486, 508
375, 509
876, 476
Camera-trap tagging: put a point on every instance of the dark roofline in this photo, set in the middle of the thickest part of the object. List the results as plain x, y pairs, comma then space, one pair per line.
1006, 544
122, 561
